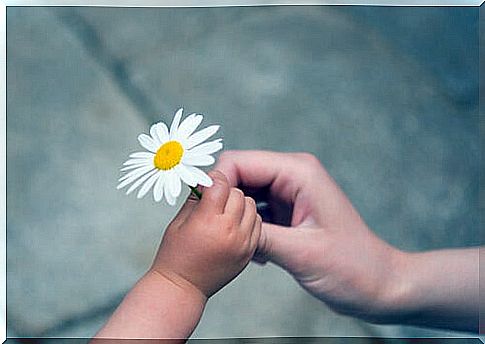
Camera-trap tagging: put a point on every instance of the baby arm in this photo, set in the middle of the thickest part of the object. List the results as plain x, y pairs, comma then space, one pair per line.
206, 246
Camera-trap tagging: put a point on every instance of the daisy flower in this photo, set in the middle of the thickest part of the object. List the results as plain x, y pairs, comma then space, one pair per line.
171, 158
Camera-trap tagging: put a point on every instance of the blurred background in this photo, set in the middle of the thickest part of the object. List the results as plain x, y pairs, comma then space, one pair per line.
385, 97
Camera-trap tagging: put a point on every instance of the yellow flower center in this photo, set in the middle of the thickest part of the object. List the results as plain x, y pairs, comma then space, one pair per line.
168, 155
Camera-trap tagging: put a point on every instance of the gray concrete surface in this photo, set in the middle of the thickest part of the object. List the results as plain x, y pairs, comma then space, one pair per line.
387, 98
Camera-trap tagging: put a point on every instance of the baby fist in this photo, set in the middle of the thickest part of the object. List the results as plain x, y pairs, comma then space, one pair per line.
212, 240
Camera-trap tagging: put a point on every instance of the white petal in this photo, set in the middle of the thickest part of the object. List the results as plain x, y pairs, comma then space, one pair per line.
197, 160
158, 188
170, 199
138, 182
148, 184
162, 132
135, 172
184, 174
175, 123
201, 136
174, 185
188, 126
142, 155
135, 161
202, 178
207, 148
154, 134
130, 167
148, 143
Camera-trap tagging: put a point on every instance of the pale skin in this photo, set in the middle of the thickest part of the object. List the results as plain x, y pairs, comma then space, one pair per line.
327, 247
315, 234
205, 247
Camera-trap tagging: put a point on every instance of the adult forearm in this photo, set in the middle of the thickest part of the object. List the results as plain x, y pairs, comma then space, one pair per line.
159, 306
438, 289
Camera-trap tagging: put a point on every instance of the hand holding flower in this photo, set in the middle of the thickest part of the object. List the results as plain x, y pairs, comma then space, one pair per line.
206, 246
212, 240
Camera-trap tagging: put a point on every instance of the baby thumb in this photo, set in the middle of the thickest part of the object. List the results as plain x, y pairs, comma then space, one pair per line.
190, 204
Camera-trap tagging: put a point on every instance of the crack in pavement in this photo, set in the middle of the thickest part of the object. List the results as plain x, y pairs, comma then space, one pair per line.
116, 67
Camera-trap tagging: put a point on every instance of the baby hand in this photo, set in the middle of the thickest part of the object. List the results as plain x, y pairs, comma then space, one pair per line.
212, 240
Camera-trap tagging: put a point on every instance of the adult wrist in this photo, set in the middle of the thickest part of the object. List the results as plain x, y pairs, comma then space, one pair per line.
395, 298
437, 289
409, 295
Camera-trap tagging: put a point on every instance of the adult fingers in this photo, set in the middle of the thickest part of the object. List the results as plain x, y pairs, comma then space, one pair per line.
297, 179
279, 244
251, 168
285, 173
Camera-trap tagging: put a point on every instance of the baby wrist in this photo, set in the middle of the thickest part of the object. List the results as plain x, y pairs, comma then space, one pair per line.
166, 276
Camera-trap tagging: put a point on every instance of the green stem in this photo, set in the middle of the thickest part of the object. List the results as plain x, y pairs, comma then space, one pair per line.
196, 192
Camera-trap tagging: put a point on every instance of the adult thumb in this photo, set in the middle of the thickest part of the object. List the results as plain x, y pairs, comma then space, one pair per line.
278, 244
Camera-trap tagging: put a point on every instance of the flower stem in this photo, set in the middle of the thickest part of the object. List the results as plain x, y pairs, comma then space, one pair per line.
196, 192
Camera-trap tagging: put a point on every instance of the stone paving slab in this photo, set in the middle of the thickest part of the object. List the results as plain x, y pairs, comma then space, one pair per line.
73, 240
442, 40
291, 79
313, 79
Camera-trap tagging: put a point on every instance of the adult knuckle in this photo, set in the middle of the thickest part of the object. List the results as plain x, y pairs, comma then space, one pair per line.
308, 158
224, 155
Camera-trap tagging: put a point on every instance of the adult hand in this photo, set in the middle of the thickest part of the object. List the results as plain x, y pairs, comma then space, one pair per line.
315, 234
